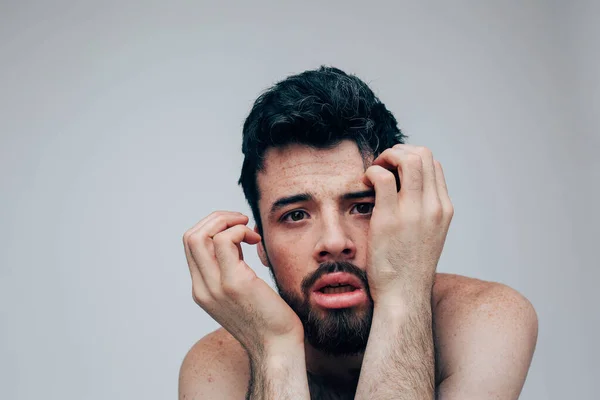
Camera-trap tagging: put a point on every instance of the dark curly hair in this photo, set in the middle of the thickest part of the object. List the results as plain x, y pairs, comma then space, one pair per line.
317, 108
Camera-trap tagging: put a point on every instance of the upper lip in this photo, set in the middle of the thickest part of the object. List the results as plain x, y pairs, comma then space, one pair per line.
338, 278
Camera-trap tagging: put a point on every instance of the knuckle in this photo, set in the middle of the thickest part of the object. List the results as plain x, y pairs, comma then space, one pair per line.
194, 239
393, 155
200, 297
216, 216
424, 151
220, 218
436, 212
449, 211
414, 160
214, 293
230, 288
386, 177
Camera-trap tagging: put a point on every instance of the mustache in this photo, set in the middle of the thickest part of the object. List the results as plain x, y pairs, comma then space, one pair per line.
330, 267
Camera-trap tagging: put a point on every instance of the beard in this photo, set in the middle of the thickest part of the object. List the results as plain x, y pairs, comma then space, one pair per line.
336, 332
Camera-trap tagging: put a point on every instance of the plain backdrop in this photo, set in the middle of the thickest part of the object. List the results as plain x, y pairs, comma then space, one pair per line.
120, 128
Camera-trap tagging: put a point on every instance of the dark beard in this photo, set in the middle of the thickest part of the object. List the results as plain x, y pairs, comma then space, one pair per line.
341, 332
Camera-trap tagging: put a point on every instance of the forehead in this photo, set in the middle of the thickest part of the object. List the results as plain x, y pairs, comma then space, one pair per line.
301, 169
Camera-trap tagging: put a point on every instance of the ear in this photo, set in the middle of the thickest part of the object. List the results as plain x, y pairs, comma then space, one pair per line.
260, 248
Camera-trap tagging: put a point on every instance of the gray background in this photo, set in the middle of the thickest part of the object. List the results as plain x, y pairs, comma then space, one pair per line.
120, 128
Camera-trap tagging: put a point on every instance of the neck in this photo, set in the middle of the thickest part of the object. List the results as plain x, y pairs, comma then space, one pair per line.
341, 369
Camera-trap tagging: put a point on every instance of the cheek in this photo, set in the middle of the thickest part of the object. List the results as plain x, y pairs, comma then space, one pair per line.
361, 236
291, 246
290, 258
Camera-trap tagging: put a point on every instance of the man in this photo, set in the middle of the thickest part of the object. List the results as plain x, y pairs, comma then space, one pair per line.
351, 223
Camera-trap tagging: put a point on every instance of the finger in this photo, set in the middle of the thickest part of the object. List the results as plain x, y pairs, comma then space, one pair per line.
211, 217
410, 170
384, 181
429, 181
197, 280
228, 250
443, 189
199, 288
201, 246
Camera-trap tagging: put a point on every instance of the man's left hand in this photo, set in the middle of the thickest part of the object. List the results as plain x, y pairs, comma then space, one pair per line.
408, 226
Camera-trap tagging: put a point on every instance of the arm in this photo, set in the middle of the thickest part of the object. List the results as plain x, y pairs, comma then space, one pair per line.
486, 336
218, 367
279, 374
257, 317
407, 232
399, 358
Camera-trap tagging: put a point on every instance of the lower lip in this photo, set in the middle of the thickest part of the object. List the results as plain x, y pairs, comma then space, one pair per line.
340, 300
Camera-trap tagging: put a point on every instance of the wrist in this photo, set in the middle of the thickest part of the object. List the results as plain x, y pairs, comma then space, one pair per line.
278, 372
288, 359
398, 307
274, 350
278, 362
408, 290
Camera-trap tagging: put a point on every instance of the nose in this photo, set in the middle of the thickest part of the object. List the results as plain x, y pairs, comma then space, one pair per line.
334, 243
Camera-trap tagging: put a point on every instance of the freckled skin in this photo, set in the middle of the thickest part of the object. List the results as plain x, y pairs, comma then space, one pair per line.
485, 333
295, 250
325, 173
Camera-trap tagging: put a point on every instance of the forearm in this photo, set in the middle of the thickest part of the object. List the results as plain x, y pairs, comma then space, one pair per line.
278, 374
399, 358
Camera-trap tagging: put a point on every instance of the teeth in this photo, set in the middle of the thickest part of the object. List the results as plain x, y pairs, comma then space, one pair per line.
338, 289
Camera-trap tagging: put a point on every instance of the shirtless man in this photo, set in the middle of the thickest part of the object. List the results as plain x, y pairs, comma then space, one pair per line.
351, 223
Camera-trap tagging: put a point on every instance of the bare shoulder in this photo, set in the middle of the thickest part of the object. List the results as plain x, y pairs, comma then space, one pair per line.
451, 285
454, 294
216, 367
485, 336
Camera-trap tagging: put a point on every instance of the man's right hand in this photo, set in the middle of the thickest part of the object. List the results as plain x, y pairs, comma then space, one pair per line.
229, 290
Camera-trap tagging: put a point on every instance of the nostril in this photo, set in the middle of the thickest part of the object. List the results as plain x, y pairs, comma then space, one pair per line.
346, 251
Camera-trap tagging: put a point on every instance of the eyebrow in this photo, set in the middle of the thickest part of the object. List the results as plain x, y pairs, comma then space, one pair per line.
358, 195
303, 197
284, 201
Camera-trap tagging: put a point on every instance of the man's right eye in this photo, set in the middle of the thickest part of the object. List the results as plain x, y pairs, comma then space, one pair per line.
294, 216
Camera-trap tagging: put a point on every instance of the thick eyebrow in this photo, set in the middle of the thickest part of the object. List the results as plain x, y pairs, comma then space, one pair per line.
284, 201
359, 195
303, 197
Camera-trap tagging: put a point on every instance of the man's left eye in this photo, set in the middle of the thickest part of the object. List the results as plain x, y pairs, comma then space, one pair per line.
363, 208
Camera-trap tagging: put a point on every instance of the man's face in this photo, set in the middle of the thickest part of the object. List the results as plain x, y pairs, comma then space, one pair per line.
315, 211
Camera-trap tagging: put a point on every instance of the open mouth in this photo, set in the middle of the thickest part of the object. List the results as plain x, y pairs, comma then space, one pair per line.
342, 296
339, 290
335, 289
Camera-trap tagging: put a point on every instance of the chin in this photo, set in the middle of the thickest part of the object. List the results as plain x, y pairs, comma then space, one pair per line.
339, 332
335, 332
